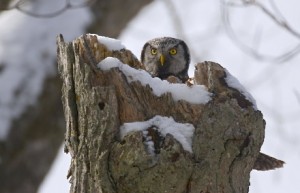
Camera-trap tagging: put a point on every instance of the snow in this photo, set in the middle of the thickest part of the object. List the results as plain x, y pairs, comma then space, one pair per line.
109, 63
235, 83
56, 180
110, 43
273, 86
27, 59
28, 53
196, 94
182, 132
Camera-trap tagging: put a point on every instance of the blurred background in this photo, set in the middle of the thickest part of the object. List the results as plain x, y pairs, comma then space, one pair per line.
258, 41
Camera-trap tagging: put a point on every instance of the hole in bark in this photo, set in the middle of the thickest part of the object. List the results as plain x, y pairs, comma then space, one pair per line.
122, 142
156, 138
174, 157
101, 105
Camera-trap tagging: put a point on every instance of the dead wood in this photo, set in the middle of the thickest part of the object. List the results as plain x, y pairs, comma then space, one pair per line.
227, 138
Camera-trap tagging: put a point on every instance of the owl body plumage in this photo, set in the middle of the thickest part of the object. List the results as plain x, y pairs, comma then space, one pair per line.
166, 56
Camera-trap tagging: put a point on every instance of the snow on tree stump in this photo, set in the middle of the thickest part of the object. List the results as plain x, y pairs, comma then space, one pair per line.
130, 133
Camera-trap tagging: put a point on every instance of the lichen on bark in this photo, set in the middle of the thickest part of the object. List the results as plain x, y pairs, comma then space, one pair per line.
228, 130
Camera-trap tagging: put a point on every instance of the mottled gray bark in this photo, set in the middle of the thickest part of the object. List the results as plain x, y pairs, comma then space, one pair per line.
228, 130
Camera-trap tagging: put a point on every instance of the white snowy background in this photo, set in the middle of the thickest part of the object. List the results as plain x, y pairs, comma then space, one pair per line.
274, 85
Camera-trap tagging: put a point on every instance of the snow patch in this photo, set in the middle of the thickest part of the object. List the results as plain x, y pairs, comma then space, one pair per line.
109, 63
235, 83
110, 43
56, 180
196, 94
28, 52
182, 132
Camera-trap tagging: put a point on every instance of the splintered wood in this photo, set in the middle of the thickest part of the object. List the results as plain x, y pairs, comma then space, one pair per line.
226, 142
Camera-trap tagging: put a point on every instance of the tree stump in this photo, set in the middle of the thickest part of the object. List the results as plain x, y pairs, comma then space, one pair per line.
227, 136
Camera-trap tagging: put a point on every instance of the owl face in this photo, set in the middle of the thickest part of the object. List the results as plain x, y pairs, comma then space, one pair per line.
163, 57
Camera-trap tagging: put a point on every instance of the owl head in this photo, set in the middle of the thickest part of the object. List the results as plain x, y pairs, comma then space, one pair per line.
166, 56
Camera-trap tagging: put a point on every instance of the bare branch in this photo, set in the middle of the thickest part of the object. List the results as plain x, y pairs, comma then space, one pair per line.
297, 94
19, 5
252, 51
280, 21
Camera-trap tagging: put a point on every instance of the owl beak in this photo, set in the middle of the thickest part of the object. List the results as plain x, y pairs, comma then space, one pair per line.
162, 59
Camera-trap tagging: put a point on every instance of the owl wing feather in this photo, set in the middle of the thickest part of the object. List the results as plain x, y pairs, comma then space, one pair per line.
265, 162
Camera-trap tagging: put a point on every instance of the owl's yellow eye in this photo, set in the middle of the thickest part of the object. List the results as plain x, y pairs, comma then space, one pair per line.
153, 51
173, 51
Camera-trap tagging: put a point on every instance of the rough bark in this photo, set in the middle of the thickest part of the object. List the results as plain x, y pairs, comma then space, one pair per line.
228, 130
35, 137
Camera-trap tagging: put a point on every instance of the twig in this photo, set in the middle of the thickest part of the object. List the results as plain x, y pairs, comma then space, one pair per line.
278, 18
281, 22
19, 5
297, 94
274, 59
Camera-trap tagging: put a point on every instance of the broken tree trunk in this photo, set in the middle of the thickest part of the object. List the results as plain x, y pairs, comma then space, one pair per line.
228, 132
